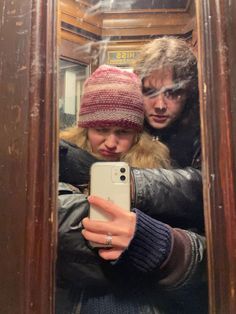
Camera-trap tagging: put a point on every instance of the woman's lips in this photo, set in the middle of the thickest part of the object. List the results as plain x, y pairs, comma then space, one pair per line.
159, 118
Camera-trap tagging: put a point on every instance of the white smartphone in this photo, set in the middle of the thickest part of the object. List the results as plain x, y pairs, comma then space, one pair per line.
111, 181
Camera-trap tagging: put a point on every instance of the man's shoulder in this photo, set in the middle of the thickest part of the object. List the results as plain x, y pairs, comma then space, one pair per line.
183, 142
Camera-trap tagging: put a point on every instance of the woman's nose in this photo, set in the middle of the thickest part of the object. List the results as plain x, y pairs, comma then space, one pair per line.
111, 141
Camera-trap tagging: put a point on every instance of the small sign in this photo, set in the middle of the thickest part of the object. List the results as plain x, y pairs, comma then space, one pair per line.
122, 57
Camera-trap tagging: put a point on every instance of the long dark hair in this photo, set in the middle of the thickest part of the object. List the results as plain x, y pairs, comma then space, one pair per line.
174, 53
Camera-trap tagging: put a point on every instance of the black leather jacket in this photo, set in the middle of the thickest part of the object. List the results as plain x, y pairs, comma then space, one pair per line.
82, 272
172, 196
183, 142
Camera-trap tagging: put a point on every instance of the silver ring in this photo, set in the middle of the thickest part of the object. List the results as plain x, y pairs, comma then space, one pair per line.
108, 239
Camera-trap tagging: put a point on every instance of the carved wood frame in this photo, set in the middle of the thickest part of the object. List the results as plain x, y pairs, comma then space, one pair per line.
28, 134
217, 79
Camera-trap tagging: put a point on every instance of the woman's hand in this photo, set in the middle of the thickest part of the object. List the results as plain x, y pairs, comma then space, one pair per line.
118, 232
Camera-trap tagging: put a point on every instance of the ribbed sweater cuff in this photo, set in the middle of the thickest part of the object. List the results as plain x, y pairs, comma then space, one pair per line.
150, 246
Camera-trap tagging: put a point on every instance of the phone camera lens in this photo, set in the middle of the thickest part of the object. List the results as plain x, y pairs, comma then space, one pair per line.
122, 178
122, 170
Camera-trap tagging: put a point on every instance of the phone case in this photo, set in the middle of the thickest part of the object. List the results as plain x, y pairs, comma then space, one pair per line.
111, 181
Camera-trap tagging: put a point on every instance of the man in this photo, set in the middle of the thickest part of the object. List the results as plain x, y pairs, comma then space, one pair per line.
168, 70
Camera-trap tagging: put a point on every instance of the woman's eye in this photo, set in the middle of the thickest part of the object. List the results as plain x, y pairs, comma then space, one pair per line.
101, 130
123, 132
120, 132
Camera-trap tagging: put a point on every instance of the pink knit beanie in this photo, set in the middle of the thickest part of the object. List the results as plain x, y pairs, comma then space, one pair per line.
111, 97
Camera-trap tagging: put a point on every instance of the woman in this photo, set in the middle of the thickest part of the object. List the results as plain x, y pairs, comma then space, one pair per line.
112, 112
147, 257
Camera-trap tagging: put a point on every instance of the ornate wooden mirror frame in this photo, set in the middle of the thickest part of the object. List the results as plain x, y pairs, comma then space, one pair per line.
28, 111
217, 51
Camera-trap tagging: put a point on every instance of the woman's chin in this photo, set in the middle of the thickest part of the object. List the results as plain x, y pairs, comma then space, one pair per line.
110, 157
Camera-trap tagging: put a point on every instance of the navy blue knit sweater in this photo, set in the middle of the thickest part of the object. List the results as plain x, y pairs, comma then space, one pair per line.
147, 251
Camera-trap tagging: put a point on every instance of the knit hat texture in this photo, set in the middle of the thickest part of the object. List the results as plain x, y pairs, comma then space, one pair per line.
111, 97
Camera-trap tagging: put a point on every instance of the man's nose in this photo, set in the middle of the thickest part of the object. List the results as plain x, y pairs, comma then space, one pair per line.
160, 104
111, 141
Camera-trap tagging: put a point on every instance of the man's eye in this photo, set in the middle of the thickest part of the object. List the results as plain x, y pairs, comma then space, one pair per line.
150, 92
174, 93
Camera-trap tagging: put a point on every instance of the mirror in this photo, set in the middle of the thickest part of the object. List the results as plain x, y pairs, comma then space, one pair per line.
93, 33
112, 32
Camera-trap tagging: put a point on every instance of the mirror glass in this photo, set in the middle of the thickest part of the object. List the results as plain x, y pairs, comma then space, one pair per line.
112, 32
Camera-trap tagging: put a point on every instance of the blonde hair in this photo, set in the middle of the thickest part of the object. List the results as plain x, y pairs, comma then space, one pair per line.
145, 153
168, 52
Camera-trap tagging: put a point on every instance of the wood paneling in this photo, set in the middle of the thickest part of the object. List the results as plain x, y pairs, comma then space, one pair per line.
217, 72
74, 38
143, 24
28, 158
76, 51
138, 33
140, 5
81, 22
81, 12
127, 20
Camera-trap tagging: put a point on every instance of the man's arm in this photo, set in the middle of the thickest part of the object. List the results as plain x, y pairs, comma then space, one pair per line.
173, 196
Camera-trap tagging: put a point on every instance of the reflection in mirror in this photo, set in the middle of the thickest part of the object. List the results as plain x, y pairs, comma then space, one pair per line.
113, 33
72, 77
